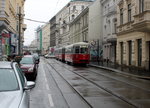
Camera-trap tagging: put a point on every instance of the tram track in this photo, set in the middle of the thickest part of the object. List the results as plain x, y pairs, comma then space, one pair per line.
86, 102
47, 69
111, 77
95, 84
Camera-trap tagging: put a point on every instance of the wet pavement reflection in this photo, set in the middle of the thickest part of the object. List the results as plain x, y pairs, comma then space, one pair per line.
105, 89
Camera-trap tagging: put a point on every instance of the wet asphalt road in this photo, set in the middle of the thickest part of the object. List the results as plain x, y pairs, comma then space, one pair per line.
59, 85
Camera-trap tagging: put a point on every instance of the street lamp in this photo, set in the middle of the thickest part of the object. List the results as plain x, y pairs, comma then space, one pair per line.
19, 36
20, 28
18, 58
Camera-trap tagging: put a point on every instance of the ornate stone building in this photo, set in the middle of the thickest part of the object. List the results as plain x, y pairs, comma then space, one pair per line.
109, 22
45, 38
9, 26
133, 37
65, 16
79, 27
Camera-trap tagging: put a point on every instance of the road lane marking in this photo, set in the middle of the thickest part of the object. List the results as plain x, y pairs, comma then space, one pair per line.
45, 78
50, 100
47, 87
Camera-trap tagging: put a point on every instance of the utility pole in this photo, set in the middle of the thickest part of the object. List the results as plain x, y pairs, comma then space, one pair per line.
19, 38
0, 46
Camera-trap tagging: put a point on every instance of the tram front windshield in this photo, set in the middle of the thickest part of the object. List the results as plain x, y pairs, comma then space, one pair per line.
81, 49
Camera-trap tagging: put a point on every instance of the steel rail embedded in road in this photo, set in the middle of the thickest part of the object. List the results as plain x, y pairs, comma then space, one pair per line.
56, 84
101, 87
105, 89
70, 86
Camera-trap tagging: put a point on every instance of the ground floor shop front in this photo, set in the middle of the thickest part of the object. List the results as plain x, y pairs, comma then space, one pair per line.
133, 49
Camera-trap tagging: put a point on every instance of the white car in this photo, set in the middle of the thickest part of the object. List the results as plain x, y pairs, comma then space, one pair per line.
49, 56
13, 86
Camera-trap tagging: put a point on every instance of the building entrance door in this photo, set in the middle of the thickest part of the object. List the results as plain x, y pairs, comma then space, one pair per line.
139, 52
121, 48
130, 52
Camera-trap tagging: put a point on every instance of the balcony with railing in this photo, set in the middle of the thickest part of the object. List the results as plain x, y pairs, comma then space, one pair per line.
124, 28
142, 20
111, 10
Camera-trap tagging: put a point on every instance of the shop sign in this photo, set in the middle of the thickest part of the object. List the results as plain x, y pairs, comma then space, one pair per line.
5, 35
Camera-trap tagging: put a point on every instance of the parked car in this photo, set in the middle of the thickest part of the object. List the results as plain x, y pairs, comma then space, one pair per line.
14, 87
29, 67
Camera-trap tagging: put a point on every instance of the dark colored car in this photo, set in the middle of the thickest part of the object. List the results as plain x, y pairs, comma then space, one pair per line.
29, 67
14, 87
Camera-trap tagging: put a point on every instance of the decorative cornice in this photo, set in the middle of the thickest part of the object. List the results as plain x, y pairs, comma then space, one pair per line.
120, 2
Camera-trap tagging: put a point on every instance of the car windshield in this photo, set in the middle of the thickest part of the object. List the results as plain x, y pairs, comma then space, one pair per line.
26, 60
8, 80
84, 50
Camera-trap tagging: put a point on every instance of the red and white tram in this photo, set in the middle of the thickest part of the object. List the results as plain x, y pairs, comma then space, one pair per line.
60, 54
77, 53
57, 53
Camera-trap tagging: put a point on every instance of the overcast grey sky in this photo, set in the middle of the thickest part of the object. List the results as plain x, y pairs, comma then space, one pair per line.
41, 10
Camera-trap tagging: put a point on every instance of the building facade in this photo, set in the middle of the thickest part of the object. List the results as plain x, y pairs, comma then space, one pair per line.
39, 39
9, 26
53, 31
133, 36
109, 24
79, 27
45, 38
65, 16
95, 30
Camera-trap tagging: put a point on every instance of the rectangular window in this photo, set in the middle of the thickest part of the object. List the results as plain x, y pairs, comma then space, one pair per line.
141, 6
129, 12
115, 28
74, 8
77, 48
121, 52
20, 73
139, 42
130, 52
82, 7
121, 16
8, 80
84, 50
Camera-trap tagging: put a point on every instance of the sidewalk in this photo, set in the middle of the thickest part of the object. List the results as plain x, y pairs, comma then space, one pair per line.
128, 71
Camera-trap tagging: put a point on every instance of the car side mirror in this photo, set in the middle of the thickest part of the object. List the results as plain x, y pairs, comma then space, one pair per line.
30, 85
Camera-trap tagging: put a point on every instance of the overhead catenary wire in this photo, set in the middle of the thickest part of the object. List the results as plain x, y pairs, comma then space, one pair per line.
42, 21
56, 5
35, 20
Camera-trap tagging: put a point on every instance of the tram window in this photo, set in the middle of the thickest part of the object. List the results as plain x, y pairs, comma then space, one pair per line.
77, 48
84, 50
